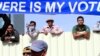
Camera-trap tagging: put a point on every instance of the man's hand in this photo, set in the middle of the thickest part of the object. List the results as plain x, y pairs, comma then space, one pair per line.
81, 33
7, 38
53, 33
46, 33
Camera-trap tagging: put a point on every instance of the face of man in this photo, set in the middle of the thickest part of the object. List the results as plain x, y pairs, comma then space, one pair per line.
10, 28
27, 54
27, 51
50, 23
80, 21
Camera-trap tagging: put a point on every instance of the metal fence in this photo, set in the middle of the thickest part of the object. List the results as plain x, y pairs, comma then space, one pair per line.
63, 45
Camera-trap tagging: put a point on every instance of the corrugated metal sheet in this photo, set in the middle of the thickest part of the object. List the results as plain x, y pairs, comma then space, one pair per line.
63, 45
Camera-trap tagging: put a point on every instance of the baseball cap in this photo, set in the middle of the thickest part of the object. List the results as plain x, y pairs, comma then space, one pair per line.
38, 45
50, 20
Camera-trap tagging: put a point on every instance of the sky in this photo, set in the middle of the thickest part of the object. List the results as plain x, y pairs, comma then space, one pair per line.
64, 21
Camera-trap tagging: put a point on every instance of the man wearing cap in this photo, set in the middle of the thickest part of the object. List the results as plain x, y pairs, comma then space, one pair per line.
38, 48
51, 28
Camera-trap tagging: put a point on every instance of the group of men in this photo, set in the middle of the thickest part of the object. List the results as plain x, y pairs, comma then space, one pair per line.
50, 28
79, 31
39, 47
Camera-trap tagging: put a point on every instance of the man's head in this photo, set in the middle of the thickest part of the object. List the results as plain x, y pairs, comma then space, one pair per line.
80, 20
10, 28
32, 23
27, 51
39, 48
50, 22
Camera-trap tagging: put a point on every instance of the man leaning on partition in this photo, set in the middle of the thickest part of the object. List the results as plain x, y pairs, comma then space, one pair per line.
81, 30
51, 28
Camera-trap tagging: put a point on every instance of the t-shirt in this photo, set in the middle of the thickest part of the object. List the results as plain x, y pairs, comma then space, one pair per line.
80, 28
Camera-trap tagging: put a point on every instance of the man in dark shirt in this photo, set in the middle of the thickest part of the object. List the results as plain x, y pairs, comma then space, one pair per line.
11, 35
81, 30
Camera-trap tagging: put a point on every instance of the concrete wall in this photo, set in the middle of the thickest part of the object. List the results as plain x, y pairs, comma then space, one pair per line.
18, 21
63, 45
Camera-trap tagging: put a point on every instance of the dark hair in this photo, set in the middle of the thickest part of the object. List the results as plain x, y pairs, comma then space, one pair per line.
11, 25
33, 22
80, 17
50, 20
26, 48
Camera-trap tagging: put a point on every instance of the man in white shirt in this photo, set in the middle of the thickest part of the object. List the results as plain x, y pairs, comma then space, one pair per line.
51, 28
96, 27
31, 30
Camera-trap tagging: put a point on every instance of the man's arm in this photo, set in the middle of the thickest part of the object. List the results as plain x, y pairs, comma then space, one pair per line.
87, 33
75, 33
57, 30
44, 31
16, 35
3, 38
34, 35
